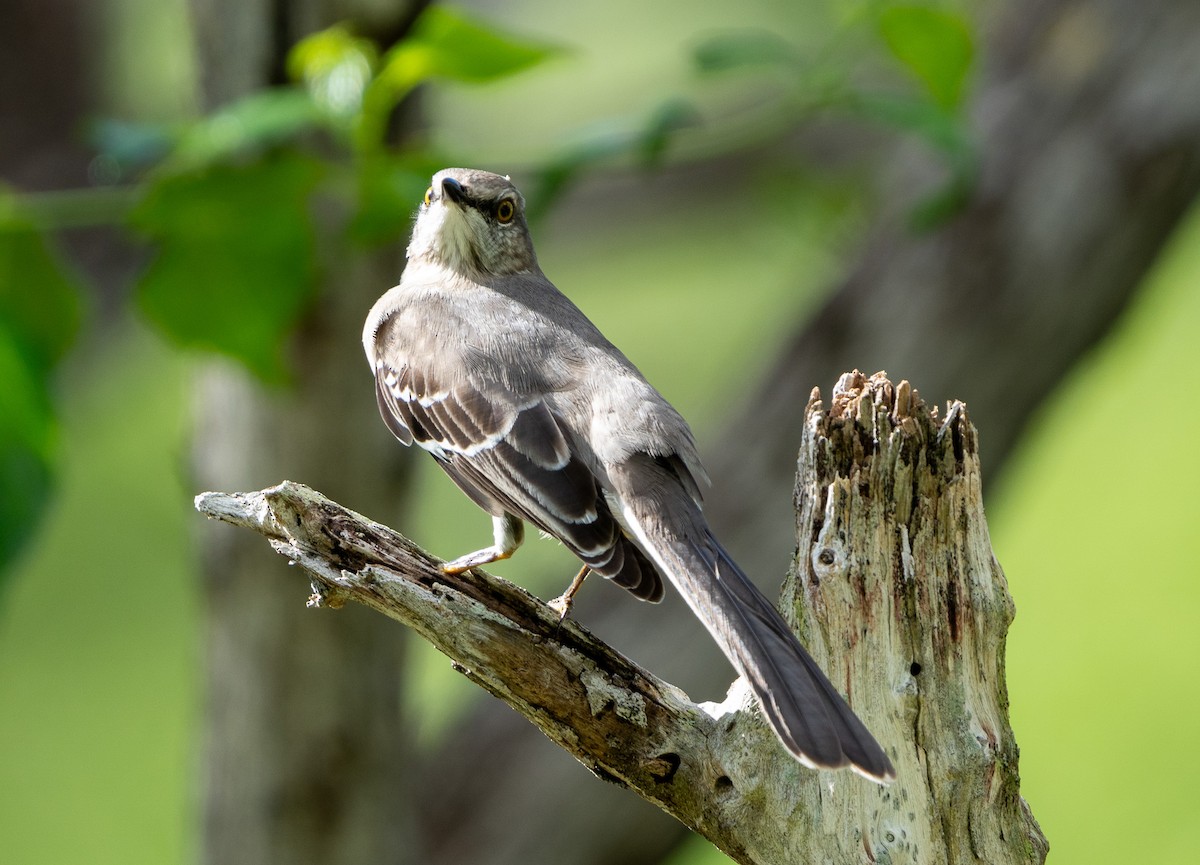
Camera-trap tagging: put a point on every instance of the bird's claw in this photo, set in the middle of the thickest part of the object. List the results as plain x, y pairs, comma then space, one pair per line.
476, 559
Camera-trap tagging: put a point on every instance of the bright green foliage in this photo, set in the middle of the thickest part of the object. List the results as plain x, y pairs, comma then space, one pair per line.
348, 81
356, 91
335, 66
36, 298
236, 261
446, 44
39, 316
935, 45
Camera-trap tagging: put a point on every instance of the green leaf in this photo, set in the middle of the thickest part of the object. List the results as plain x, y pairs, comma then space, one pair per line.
39, 306
935, 45
27, 437
745, 49
335, 66
26, 418
247, 126
236, 261
443, 43
447, 44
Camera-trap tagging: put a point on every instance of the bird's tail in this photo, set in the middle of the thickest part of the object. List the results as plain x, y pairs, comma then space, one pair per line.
801, 705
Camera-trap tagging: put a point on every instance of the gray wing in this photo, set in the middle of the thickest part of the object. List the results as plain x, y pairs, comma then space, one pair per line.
509, 455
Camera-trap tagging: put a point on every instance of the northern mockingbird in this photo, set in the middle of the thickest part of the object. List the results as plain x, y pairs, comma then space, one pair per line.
538, 418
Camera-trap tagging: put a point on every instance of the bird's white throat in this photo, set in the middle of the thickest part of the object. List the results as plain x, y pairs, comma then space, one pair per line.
444, 233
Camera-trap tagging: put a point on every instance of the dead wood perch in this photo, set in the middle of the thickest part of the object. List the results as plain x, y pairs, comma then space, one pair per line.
894, 589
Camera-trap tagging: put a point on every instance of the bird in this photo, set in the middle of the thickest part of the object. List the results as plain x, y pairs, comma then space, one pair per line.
482, 362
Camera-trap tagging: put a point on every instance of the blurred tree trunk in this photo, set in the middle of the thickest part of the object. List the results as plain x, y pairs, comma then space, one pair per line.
306, 758
1089, 133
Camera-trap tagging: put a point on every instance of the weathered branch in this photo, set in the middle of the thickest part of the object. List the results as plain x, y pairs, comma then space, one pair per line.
622, 722
903, 604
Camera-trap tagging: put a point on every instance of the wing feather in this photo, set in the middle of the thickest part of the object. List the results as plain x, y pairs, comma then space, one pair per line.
509, 454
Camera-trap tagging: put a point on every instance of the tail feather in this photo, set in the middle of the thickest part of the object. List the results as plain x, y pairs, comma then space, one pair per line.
628, 567
810, 717
807, 713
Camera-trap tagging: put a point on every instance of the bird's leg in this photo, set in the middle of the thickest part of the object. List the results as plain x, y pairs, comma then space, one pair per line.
562, 604
508, 532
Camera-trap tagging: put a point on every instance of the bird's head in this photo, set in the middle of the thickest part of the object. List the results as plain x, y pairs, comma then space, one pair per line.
473, 222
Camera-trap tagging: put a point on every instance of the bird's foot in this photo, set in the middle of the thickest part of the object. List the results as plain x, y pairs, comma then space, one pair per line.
476, 559
562, 604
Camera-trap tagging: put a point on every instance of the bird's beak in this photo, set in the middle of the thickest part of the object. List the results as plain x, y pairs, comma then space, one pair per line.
453, 190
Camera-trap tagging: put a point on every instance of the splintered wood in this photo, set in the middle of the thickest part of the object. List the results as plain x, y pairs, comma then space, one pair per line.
898, 595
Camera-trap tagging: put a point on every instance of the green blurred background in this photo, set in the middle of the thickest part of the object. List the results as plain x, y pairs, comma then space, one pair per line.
1093, 519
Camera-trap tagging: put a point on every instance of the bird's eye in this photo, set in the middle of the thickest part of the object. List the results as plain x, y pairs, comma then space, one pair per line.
505, 211
428, 196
